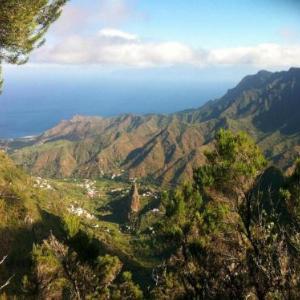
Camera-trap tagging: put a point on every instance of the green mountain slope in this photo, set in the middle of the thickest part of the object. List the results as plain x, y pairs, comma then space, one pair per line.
39, 218
167, 147
20, 220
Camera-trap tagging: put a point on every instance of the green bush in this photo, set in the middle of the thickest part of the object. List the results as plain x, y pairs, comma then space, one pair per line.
71, 225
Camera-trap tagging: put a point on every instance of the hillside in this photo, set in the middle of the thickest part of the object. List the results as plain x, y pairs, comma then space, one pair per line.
21, 220
39, 217
165, 148
74, 239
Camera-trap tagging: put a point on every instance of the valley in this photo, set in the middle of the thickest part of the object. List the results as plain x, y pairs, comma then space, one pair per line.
163, 149
100, 209
116, 193
110, 237
127, 192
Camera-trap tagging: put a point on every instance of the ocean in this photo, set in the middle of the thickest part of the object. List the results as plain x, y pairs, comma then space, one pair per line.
29, 107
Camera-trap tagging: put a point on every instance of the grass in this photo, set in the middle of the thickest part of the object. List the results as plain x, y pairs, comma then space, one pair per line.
28, 213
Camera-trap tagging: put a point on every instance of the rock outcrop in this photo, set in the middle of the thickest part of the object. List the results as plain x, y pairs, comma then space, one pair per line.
135, 203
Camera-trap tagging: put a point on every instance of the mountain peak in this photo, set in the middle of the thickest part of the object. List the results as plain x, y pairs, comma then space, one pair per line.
254, 81
81, 118
263, 73
294, 69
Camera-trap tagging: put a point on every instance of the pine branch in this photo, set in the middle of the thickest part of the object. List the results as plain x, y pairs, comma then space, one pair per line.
6, 283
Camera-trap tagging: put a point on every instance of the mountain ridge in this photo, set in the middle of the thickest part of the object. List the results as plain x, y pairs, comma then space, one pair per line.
166, 148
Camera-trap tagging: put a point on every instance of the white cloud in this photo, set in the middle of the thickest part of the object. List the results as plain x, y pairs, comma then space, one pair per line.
115, 33
262, 55
118, 48
114, 47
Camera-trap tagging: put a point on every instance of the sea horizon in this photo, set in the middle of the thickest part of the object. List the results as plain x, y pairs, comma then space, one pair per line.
32, 114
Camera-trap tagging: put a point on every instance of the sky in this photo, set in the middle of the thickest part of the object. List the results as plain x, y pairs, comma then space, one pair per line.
114, 56
110, 35
144, 34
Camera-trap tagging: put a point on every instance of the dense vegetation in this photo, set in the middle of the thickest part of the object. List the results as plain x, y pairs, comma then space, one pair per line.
51, 253
230, 233
234, 232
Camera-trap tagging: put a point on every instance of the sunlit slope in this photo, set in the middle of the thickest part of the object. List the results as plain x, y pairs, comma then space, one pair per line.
165, 148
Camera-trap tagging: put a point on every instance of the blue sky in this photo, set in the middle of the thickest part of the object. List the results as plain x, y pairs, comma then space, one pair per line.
121, 34
214, 23
219, 23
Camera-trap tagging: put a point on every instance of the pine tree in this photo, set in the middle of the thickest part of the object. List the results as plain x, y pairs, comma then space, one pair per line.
23, 24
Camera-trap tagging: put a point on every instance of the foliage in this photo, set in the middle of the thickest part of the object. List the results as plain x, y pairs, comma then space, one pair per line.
232, 165
72, 225
227, 251
49, 275
59, 272
127, 289
23, 24
108, 267
205, 246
